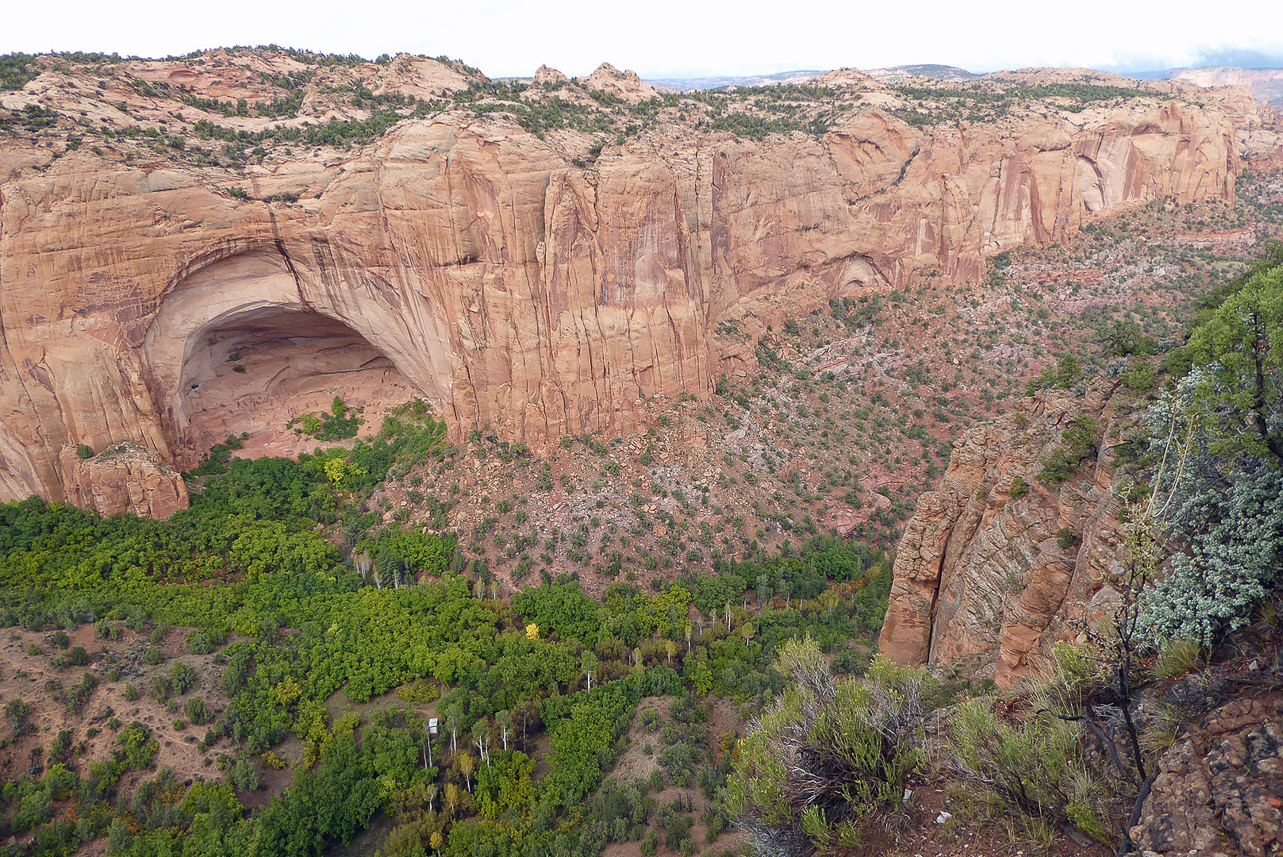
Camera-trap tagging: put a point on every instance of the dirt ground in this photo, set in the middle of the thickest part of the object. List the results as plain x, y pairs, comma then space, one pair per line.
637, 765
925, 832
117, 664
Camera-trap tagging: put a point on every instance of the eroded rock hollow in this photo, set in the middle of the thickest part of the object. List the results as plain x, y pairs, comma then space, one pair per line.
246, 341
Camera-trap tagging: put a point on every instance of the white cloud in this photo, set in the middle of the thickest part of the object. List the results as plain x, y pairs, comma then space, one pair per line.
670, 37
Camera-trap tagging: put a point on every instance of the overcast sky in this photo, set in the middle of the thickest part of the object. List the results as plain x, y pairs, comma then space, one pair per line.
672, 38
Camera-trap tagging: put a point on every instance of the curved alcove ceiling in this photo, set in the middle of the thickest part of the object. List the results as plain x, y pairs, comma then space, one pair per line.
247, 343
255, 373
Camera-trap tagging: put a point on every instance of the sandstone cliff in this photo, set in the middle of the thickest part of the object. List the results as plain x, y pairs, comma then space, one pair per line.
1265, 84
124, 478
994, 568
525, 281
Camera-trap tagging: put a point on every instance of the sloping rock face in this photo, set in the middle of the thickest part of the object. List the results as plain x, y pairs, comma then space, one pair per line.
125, 478
621, 84
994, 568
1220, 790
469, 262
545, 76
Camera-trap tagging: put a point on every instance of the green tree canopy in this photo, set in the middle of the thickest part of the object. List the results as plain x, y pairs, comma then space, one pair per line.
1240, 345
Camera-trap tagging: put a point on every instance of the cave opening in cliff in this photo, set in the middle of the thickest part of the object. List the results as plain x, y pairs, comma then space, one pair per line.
254, 373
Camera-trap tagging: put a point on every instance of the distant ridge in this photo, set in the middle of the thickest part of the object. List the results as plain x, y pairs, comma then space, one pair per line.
893, 74
680, 84
1266, 84
897, 73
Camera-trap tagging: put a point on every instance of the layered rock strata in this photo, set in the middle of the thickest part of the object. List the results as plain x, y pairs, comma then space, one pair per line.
994, 568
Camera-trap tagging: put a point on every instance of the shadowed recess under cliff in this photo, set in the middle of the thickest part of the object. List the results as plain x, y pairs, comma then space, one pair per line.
243, 346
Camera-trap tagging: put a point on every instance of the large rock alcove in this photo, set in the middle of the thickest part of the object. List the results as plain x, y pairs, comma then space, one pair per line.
246, 344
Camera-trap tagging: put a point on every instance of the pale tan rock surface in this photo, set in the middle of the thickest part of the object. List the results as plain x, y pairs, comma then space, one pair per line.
495, 272
545, 76
623, 84
1265, 84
